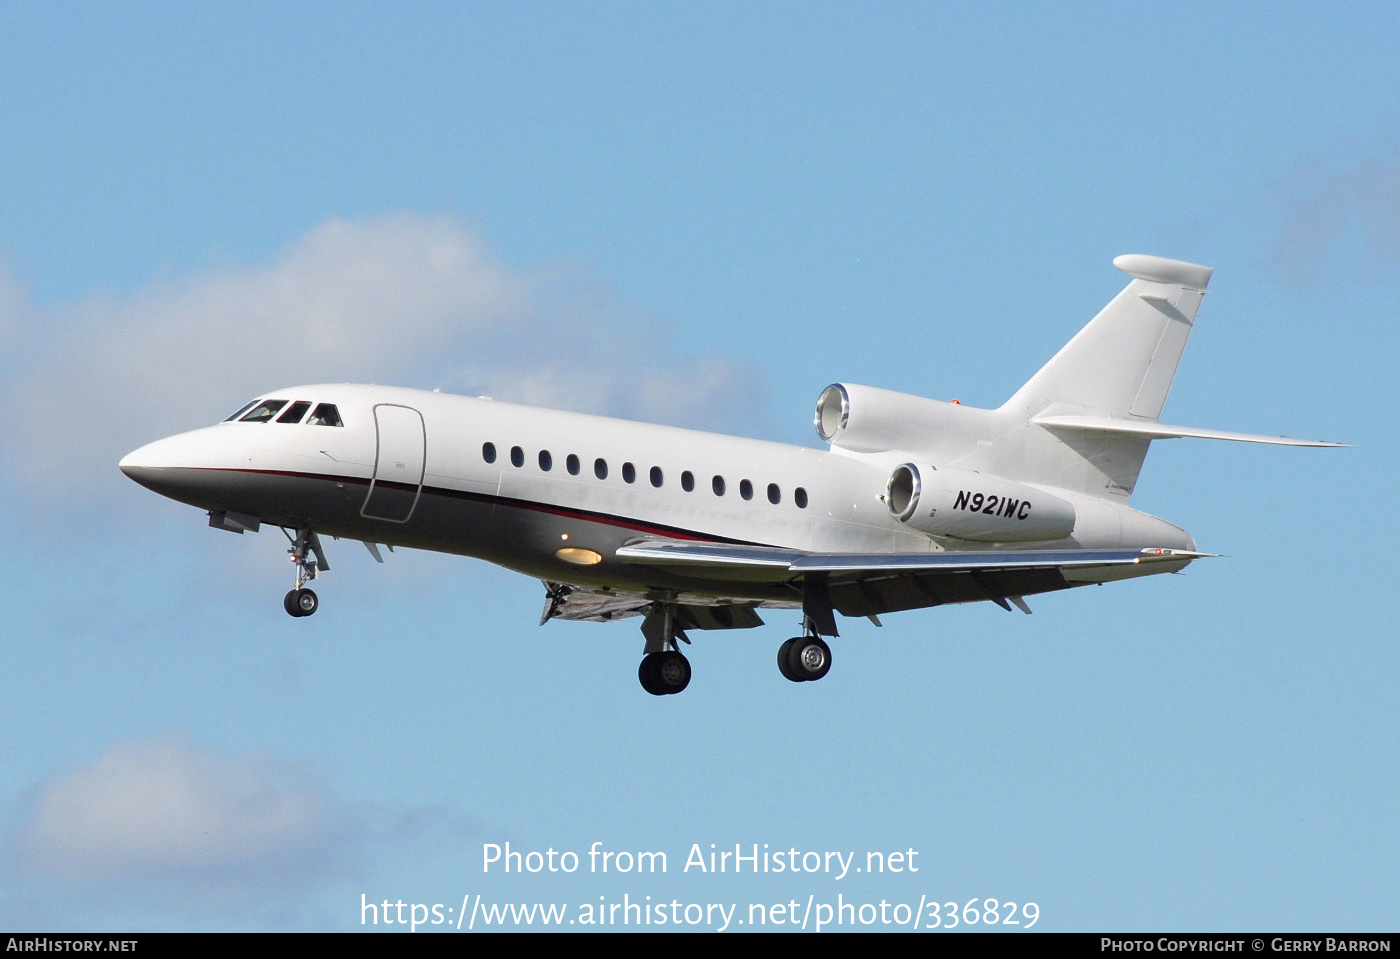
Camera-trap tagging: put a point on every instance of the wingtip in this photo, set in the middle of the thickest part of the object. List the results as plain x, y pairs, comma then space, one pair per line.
1163, 553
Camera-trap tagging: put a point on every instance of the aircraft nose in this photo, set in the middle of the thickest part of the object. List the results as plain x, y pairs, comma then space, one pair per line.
145, 465
162, 454
174, 466
132, 463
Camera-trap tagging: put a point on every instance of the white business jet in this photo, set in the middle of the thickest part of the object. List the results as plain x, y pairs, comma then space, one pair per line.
914, 503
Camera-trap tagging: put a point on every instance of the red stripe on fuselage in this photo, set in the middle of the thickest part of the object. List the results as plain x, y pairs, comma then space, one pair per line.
608, 519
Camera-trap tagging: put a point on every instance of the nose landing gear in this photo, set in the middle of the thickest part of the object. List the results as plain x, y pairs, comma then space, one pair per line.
305, 553
300, 602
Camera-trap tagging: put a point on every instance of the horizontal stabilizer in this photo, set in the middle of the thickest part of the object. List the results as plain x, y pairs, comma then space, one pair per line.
1161, 431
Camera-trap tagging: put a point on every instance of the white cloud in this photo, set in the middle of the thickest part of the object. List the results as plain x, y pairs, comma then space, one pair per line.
401, 299
192, 821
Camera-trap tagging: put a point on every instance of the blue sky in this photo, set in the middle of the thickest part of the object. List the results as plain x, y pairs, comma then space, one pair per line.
699, 215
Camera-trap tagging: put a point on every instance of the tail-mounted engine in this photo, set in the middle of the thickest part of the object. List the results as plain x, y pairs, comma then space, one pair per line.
975, 506
952, 502
866, 419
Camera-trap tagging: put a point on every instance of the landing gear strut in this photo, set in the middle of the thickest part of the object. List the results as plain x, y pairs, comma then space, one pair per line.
306, 555
663, 669
807, 658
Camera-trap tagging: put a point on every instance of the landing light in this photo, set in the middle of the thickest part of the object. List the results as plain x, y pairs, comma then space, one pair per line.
579, 557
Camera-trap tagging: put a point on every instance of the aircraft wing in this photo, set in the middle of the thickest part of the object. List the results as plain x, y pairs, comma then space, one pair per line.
866, 584
655, 552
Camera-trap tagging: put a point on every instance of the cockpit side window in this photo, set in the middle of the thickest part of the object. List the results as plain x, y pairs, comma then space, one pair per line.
264, 411
325, 415
295, 412
241, 410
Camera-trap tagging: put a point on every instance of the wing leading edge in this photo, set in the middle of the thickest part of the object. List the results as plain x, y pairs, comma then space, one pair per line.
734, 557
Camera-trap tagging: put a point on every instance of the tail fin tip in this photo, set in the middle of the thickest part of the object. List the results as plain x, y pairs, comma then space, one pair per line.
1159, 269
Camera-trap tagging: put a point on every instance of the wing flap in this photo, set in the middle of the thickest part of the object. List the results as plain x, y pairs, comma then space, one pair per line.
919, 590
562, 601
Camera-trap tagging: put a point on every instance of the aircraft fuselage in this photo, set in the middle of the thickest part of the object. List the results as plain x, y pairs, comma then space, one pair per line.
435, 471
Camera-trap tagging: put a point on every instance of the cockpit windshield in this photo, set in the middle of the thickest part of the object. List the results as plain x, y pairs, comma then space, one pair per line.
241, 410
326, 415
295, 412
264, 411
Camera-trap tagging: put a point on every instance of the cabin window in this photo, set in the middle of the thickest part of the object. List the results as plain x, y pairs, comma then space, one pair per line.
571, 464
717, 484
799, 496
656, 477
517, 457
745, 489
295, 412
546, 461
241, 410
687, 481
325, 415
629, 473
264, 411
775, 495
600, 468
488, 452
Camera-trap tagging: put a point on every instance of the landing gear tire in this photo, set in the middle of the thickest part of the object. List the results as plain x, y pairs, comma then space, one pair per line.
300, 602
783, 667
804, 659
664, 673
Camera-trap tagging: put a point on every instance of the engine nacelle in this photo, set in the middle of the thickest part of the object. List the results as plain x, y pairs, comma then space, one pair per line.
975, 506
866, 419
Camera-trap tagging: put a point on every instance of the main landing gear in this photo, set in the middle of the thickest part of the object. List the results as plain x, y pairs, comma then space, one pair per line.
306, 555
663, 669
807, 658
804, 659
664, 673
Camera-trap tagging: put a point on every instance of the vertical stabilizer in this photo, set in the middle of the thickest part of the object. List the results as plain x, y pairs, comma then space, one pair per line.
1119, 367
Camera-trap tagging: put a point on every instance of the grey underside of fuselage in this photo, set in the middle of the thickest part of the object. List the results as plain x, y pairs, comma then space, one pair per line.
525, 537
